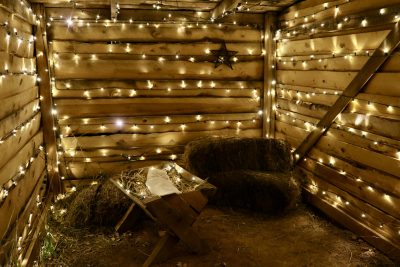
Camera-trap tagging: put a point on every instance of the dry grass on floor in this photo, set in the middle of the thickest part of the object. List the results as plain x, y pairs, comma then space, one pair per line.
236, 238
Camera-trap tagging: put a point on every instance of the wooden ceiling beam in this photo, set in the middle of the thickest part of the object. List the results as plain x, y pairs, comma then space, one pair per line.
224, 6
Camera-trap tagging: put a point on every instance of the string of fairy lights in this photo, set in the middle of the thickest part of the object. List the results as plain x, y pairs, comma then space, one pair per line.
204, 24
7, 187
282, 60
376, 140
299, 97
12, 32
391, 15
23, 39
339, 24
390, 227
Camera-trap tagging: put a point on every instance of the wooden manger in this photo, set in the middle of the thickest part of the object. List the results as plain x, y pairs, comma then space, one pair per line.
176, 212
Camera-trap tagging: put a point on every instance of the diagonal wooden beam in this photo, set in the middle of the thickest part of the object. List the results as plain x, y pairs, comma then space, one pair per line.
224, 6
377, 59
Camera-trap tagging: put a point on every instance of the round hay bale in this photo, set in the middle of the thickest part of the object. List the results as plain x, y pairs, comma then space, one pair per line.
206, 156
271, 193
97, 205
111, 204
79, 211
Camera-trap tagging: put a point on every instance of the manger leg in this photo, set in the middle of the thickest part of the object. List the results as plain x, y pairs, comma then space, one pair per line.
162, 249
129, 219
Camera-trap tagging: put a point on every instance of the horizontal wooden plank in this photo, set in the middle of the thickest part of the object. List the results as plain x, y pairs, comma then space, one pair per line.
13, 144
153, 33
158, 84
371, 176
150, 155
308, 109
380, 126
9, 170
11, 43
342, 63
186, 16
12, 104
154, 69
23, 15
120, 154
154, 106
349, 63
384, 84
78, 130
341, 44
158, 139
16, 65
370, 108
18, 197
93, 170
305, 8
367, 176
355, 225
345, 150
322, 99
305, 92
13, 84
133, 4
377, 130
25, 223
320, 102
9, 123
126, 93
327, 79
351, 186
345, 9
154, 120
378, 220
153, 49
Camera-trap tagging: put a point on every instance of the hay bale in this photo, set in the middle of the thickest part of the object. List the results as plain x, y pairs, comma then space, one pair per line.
206, 156
252, 173
111, 204
79, 211
97, 205
272, 192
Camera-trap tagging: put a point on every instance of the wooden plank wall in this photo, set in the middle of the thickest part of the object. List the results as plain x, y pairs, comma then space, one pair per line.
22, 159
353, 172
129, 92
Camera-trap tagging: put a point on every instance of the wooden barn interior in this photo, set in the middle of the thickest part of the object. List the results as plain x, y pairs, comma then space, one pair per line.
92, 88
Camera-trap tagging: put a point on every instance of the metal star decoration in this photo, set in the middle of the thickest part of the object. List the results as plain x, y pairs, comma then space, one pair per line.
223, 56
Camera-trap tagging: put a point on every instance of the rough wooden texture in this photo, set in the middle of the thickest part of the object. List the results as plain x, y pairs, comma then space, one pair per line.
153, 90
377, 59
162, 33
138, 16
153, 69
358, 157
18, 197
225, 6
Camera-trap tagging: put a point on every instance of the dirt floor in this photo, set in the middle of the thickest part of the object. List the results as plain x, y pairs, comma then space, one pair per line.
236, 238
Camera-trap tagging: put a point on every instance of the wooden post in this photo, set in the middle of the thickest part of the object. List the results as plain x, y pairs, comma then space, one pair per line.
224, 6
48, 124
377, 59
269, 76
